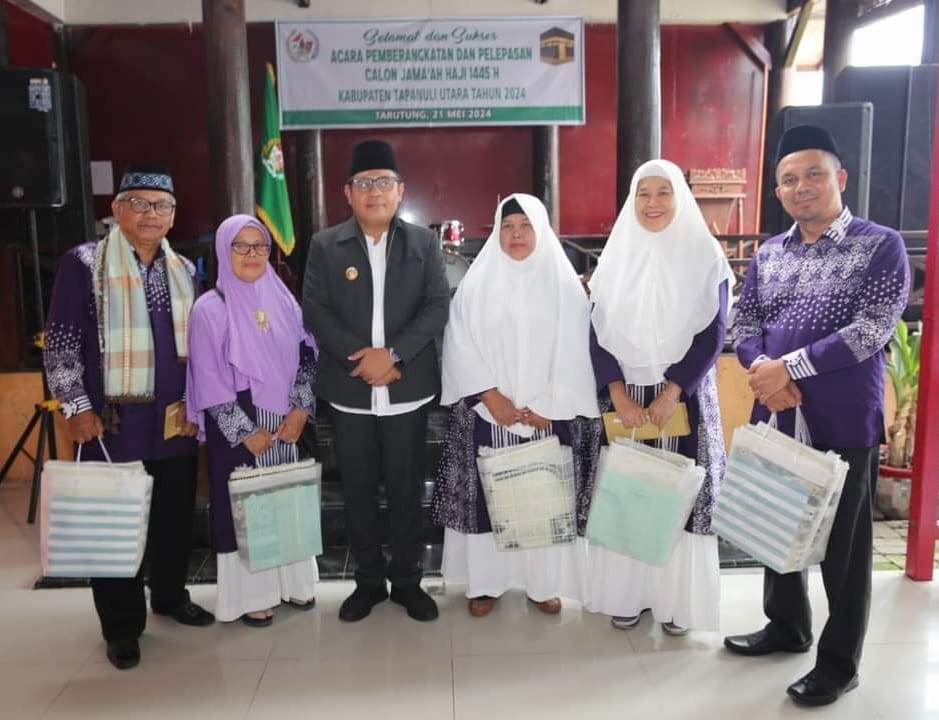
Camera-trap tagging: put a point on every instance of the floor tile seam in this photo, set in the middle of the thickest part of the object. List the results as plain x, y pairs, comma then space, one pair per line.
257, 687
453, 687
48, 707
544, 653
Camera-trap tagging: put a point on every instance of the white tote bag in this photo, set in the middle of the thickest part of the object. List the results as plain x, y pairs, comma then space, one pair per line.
642, 499
94, 518
276, 513
779, 496
529, 490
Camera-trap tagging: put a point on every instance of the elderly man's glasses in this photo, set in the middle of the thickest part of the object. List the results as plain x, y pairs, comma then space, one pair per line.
383, 183
243, 248
163, 208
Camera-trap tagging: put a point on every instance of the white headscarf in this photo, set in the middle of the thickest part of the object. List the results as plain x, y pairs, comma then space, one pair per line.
522, 327
654, 291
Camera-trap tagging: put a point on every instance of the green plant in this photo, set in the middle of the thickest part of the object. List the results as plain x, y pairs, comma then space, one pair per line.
903, 369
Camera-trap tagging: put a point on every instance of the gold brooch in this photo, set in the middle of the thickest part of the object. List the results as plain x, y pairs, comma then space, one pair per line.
261, 318
352, 273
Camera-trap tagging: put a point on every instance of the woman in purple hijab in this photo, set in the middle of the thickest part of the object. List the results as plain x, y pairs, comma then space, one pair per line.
250, 388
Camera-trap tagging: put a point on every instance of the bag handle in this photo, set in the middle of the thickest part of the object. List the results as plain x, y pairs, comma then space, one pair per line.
801, 434
78, 455
802, 428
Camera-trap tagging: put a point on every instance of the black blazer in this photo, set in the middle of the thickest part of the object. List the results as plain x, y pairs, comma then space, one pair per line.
337, 309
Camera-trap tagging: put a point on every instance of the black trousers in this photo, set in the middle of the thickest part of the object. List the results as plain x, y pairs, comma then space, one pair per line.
389, 450
120, 602
846, 573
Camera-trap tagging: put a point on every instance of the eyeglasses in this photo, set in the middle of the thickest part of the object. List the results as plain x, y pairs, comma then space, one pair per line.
383, 183
243, 248
163, 208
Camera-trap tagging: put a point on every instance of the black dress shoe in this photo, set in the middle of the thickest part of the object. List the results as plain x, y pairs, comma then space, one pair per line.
418, 603
761, 643
190, 614
124, 654
360, 603
813, 690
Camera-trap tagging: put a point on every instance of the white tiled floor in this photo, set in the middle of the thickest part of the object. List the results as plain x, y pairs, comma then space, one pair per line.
514, 664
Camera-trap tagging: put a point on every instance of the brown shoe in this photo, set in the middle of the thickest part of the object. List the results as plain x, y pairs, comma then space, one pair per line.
548, 607
482, 605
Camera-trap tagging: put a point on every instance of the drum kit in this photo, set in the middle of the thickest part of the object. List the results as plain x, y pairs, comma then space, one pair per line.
451, 240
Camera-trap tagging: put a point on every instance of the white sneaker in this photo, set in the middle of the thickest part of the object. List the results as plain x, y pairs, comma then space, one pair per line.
671, 628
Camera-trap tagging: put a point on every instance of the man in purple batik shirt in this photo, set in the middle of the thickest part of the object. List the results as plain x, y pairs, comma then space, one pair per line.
818, 306
115, 355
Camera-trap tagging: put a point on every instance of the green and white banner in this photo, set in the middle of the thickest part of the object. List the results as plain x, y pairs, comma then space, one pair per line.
449, 71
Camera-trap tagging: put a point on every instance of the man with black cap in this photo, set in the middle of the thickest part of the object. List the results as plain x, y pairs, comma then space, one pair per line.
819, 305
376, 297
115, 355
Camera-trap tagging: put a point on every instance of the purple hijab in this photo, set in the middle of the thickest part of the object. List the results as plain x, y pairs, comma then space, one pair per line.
225, 360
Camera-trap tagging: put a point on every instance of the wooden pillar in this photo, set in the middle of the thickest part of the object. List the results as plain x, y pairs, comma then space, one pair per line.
4, 35
777, 42
311, 203
546, 168
229, 112
931, 33
777, 97
840, 21
311, 195
638, 89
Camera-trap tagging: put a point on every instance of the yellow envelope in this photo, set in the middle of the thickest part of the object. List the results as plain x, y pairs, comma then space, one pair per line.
677, 426
170, 428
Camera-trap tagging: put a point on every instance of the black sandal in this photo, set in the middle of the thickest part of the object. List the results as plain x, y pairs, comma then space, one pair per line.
308, 605
256, 622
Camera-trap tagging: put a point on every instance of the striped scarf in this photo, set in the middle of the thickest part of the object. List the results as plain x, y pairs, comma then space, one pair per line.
124, 332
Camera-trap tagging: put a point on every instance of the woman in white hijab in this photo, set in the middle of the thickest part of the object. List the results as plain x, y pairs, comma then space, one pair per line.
660, 295
516, 366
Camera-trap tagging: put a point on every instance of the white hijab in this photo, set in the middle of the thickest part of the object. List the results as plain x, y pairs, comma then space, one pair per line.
522, 327
654, 291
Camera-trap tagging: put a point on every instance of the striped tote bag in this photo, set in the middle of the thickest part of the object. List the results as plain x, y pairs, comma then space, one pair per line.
779, 496
93, 518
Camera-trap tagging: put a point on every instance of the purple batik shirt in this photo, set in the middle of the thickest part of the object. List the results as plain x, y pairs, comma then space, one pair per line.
72, 359
828, 309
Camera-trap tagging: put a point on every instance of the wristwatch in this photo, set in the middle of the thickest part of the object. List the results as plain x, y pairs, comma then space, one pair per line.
395, 358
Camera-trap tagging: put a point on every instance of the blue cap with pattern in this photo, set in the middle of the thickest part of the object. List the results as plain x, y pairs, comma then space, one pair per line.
147, 177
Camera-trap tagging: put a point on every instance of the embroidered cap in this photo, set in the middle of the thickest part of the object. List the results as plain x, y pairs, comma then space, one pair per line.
806, 137
147, 177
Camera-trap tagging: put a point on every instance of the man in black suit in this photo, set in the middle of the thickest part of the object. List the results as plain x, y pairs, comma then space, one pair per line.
376, 298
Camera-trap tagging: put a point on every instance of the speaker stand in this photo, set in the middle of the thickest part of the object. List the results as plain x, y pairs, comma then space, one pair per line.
43, 413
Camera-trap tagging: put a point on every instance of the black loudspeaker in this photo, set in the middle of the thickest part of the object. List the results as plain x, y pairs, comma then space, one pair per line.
44, 153
904, 100
32, 145
917, 155
851, 124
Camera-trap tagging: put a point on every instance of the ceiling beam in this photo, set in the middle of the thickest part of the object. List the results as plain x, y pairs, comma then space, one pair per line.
798, 32
752, 47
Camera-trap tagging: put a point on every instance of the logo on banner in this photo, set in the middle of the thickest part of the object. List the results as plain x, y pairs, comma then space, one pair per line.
557, 46
302, 46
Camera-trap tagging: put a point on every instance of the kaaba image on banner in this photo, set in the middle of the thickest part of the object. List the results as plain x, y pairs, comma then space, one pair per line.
557, 46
